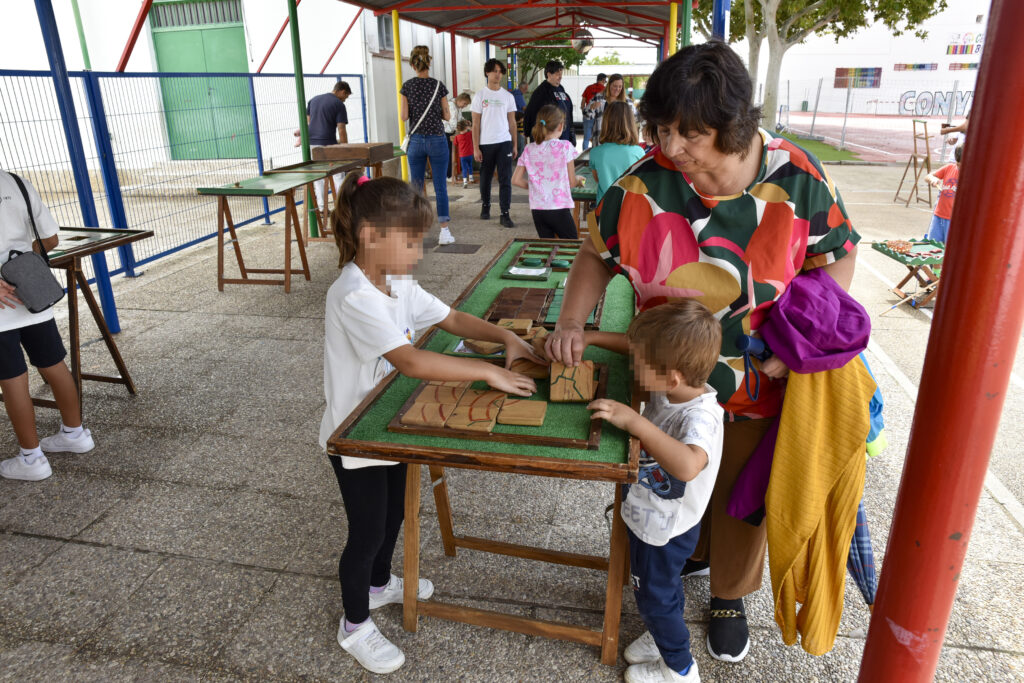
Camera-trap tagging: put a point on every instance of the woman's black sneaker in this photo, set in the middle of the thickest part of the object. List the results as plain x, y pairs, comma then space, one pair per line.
506, 221
485, 212
728, 636
694, 568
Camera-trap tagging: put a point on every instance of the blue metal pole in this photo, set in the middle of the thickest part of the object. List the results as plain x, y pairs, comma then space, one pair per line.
362, 101
68, 117
720, 19
259, 147
108, 167
487, 50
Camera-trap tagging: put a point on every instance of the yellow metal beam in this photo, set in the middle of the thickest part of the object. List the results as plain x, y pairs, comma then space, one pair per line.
673, 27
397, 43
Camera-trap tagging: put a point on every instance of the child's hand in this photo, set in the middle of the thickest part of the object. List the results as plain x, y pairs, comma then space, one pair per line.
520, 349
580, 181
511, 382
619, 414
934, 182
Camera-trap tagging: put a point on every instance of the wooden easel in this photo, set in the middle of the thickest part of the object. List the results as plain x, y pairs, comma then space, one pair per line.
922, 164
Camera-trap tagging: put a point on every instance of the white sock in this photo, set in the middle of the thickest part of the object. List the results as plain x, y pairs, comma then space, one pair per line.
71, 432
30, 454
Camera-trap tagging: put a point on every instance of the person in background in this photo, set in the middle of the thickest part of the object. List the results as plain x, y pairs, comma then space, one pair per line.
615, 92
459, 108
946, 180
619, 148
550, 92
520, 94
37, 333
588, 113
955, 136
494, 140
464, 148
327, 118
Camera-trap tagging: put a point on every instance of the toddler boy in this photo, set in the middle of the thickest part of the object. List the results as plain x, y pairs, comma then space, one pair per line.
464, 144
946, 180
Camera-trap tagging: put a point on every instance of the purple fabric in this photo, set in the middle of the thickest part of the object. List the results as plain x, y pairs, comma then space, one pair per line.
752, 485
816, 325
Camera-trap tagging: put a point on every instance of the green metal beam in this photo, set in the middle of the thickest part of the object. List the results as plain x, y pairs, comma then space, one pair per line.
300, 95
687, 21
81, 36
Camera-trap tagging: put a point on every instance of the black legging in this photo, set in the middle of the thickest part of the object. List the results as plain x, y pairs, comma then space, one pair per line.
375, 506
499, 154
554, 223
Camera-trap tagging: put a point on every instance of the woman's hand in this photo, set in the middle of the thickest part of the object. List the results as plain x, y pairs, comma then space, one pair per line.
517, 348
7, 296
566, 344
619, 414
511, 382
774, 368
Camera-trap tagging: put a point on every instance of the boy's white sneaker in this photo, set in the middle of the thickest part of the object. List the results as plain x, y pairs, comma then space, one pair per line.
370, 648
465, 184
19, 467
642, 650
62, 443
394, 592
658, 672
445, 237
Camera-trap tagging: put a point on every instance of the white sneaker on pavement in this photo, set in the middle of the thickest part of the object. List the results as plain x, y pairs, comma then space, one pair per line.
642, 650
658, 672
445, 237
62, 443
370, 648
19, 467
394, 592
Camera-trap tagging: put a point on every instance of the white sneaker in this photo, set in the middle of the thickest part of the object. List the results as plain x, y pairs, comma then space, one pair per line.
19, 467
370, 648
62, 443
658, 672
642, 650
394, 592
465, 184
445, 237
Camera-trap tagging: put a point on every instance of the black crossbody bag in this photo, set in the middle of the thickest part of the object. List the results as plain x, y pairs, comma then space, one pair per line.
28, 272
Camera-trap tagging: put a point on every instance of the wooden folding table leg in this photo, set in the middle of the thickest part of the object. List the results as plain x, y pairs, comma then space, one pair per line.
412, 547
221, 203
298, 238
613, 593
73, 325
444, 509
289, 201
234, 242
108, 339
576, 216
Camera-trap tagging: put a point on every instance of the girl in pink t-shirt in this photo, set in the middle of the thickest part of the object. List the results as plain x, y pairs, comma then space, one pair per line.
545, 168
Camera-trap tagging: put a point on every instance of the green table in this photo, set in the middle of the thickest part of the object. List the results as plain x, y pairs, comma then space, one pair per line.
266, 186
365, 434
923, 257
328, 168
582, 196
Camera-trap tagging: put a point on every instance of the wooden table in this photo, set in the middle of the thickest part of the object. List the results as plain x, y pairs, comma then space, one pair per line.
328, 169
365, 434
283, 184
581, 197
75, 244
923, 256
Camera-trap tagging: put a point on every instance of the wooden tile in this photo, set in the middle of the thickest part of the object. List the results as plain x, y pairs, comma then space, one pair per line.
484, 347
476, 411
573, 385
535, 332
442, 393
519, 411
520, 326
529, 368
427, 414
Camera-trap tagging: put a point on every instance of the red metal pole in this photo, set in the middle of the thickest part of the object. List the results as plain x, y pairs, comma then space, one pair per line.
140, 21
970, 354
277, 38
343, 37
455, 68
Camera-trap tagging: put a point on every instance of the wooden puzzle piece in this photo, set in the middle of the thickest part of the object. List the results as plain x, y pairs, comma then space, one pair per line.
573, 385
484, 347
519, 411
527, 367
520, 326
441, 393
534, 333
477, 411
427, 414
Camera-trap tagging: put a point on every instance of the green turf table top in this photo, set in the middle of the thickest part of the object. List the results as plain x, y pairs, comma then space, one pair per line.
570, 420
264, 186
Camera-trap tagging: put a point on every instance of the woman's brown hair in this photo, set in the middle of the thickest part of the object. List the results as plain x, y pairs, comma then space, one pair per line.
549, 118
419, 58
618, 126
385, 204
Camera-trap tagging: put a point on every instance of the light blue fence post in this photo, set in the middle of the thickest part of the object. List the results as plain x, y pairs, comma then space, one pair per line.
259, 147
108, 167
69, 119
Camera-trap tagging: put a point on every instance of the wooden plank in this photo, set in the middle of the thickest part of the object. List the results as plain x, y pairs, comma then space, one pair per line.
508, 622
617, 556
326, 167
411, 553
530, 553
81, 242
262, 186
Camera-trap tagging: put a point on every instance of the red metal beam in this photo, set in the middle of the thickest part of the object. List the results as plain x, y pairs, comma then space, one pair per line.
398, 5
971, 351
481, 17
543, 36
600, 4
277, 38
626, 35
555, 6
343, 37
538, 25
140, 21
503, 29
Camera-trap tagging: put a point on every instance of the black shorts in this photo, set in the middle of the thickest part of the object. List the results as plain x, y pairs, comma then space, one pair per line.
41, 342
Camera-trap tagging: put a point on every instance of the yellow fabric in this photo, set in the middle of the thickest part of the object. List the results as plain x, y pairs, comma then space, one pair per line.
817, 480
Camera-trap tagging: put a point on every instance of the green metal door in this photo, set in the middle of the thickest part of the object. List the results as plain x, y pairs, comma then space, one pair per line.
207, 117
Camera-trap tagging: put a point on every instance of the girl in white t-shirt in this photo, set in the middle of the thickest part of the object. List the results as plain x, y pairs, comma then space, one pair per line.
373, 311
546, 169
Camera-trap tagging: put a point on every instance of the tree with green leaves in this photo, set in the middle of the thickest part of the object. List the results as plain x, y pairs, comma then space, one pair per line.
611, 59
532, 60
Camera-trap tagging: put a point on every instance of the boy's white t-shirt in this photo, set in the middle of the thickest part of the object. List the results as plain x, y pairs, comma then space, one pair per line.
361, 324
494, 107
656, 520
16, 233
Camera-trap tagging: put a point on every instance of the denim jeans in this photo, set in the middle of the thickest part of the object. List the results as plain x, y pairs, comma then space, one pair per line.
588, 131
938, 230
435, 148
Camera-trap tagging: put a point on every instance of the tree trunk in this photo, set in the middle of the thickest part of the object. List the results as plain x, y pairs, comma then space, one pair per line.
776, 50
754, 37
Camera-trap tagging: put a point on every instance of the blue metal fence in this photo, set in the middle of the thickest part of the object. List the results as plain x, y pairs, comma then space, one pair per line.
150, 139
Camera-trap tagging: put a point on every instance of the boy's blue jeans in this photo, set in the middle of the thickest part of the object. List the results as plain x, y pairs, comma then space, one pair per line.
588, 132
658, 590
434, 147
467, 166
938, 230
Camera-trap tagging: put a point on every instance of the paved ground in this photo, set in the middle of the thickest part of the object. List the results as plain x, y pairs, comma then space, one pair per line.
199, 541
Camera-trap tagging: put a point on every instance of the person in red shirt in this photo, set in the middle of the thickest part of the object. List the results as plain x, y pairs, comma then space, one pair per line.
464, 144
946, 180
588, 114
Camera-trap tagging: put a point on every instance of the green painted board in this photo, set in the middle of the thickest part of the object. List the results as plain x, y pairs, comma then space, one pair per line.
324, 168
618, 312
264, 186
588, 191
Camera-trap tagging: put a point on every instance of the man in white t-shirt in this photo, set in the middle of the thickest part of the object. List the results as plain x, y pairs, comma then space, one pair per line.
20, 208
673, 348
494, 139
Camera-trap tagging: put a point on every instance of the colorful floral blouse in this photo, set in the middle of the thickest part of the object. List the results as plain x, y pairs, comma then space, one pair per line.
735, 254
